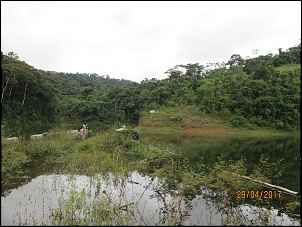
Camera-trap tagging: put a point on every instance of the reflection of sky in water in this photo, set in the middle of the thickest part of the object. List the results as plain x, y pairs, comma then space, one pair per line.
33, 201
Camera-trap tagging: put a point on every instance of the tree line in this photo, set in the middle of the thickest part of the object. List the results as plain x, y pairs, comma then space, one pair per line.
264, 91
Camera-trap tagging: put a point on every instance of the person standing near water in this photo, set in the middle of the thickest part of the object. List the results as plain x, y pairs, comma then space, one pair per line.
85, 131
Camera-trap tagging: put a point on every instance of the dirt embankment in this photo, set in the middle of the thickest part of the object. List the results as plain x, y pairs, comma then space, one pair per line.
188, 120
219, 132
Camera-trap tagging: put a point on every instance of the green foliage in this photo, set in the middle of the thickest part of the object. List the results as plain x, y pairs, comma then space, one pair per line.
291, 56
267, 171
118, 153
16, 156
293, 207
266, 91
225, 113
13, 160
29, 98
238, 120
77, 211
225, 176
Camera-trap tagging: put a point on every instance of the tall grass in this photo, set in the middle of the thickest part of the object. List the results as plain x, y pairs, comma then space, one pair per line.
111, 152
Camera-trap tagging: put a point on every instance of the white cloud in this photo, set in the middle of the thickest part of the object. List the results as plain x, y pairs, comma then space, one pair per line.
137, 40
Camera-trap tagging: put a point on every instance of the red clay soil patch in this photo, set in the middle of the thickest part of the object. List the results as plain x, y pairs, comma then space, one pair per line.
190, 132
187, 131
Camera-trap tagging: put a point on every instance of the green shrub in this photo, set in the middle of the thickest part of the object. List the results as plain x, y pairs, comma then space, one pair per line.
238, 120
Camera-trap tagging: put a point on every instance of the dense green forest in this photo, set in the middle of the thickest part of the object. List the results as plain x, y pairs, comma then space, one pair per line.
264, 91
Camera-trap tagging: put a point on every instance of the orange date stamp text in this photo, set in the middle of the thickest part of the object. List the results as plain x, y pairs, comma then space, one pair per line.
265, 194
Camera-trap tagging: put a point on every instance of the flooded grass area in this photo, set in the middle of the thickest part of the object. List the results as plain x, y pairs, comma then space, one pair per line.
110, 179
135, 200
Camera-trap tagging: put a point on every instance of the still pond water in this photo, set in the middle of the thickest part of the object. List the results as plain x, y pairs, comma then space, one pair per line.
31, 199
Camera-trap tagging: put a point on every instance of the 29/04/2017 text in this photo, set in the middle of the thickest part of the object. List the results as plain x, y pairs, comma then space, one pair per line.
251, 194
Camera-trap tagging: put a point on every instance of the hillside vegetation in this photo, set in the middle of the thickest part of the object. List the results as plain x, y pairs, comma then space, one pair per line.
188, 121
264, 91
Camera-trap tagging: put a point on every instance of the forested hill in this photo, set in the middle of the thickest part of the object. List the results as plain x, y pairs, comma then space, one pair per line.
265, 91
72, 83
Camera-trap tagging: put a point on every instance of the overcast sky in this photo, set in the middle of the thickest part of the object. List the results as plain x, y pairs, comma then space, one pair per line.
138, 40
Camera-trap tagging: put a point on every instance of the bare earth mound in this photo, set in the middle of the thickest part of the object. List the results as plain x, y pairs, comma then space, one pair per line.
204, 132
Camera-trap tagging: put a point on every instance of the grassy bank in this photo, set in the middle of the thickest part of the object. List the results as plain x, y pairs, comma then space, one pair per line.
189, 122
118, 154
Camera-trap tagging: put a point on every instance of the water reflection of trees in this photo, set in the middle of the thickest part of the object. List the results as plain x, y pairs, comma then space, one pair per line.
38, 166
251, 149
281, 152
246, 212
